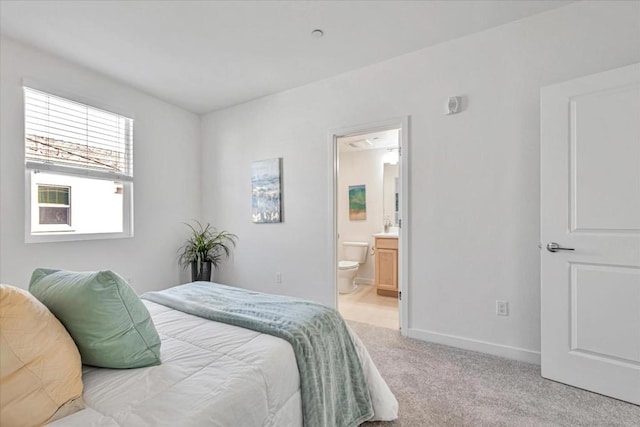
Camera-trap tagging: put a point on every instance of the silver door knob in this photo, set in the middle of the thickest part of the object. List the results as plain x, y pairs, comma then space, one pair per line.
554, 247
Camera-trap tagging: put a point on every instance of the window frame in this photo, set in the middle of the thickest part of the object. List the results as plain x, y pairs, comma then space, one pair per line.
31, 187
66, 235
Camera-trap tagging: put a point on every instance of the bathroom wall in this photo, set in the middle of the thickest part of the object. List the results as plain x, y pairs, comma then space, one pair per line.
390, 177
357, 168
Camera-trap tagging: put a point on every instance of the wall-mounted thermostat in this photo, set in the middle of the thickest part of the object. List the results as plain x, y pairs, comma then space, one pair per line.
454, 105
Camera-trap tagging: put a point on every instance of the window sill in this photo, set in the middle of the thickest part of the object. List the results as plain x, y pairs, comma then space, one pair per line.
51, 237
62, 230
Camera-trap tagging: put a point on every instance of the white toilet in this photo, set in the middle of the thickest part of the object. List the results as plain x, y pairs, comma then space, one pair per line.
355, 253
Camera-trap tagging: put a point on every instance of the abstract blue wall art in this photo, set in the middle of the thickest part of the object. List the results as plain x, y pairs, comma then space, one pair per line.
266, 193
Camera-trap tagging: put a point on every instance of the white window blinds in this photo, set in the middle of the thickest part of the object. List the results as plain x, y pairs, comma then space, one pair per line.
67, 137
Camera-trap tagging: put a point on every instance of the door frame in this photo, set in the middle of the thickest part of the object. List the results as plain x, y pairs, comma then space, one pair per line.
401, 123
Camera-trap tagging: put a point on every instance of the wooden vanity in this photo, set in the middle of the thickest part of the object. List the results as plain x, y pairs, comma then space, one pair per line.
386, 258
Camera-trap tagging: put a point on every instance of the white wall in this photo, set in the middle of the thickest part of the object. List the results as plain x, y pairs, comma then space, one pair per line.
474, 195
357, 168
166, 168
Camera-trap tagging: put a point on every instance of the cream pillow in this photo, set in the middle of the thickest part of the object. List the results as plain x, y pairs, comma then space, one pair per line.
40, 368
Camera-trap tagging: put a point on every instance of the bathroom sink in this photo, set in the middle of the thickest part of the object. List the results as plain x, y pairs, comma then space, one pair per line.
389, 235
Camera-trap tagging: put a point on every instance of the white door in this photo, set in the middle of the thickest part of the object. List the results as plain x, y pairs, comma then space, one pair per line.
590, 203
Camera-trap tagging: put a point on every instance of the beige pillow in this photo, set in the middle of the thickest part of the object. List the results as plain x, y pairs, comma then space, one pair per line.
40, 367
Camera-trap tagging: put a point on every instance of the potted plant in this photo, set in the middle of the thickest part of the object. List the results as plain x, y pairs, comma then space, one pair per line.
205, 247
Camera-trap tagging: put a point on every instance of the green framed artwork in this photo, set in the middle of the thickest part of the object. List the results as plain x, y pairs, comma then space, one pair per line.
357, 203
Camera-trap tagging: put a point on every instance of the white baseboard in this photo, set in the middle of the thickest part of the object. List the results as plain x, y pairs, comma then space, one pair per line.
364, 281
501, 350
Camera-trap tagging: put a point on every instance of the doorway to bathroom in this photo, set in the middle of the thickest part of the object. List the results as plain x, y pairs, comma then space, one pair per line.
367, 211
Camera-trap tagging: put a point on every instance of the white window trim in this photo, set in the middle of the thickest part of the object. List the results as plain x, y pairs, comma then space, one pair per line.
71, 95
127, 182
67, 236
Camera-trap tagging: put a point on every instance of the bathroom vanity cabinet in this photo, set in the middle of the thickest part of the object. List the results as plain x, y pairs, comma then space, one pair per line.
386, 257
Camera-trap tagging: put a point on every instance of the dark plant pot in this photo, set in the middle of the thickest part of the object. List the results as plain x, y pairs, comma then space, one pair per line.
204, 275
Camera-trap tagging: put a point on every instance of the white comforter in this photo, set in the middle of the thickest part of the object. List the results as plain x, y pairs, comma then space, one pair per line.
212, 374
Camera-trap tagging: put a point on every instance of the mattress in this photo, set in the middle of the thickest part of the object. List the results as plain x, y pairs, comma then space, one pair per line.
211, 374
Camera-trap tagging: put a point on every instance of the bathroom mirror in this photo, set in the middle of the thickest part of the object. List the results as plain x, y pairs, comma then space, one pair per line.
390, 193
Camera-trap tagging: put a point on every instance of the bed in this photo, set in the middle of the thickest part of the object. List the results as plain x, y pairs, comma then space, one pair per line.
213, 374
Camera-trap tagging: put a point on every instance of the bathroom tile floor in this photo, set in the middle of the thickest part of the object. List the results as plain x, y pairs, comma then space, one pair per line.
366, 306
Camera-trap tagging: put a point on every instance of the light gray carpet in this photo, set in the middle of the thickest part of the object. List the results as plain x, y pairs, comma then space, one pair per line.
438, 385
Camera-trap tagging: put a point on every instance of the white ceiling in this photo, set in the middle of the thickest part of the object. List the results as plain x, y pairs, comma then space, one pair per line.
207, 55
369, 141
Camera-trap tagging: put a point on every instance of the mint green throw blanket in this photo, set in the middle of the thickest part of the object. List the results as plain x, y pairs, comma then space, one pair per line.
332, 383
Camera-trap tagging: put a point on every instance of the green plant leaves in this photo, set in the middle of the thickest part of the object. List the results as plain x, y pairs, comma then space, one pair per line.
206, 244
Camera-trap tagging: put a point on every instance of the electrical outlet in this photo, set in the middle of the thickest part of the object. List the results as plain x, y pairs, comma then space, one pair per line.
502, 308
278, 277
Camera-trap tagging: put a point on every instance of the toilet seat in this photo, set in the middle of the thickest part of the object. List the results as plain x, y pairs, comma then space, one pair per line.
347, 265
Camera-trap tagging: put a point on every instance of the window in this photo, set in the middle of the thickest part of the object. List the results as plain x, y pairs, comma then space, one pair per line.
53, 205
79, 168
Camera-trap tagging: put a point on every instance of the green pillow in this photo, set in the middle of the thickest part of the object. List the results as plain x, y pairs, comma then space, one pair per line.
110, 325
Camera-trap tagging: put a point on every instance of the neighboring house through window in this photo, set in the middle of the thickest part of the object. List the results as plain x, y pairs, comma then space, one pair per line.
53, 205
79, 169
